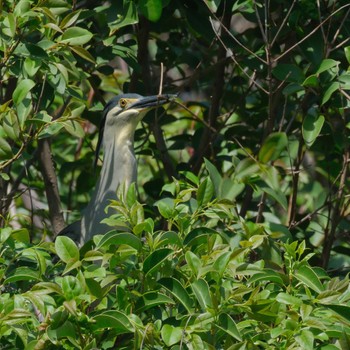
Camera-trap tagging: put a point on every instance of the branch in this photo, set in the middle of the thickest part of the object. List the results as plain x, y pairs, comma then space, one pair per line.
142, 58
51, 185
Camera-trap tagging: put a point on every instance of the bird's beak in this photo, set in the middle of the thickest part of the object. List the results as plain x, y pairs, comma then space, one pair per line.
152, 101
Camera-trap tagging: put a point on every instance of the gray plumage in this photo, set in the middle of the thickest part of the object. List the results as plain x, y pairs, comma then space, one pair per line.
119, 121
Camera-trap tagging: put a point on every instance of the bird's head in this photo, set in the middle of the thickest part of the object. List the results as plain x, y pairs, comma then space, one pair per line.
123, 112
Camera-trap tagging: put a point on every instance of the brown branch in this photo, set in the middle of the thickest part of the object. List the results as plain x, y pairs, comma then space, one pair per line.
51, 185
143, 60
217, 92
336, 213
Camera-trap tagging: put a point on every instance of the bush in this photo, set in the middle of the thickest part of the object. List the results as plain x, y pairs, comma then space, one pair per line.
241, 240
208, 280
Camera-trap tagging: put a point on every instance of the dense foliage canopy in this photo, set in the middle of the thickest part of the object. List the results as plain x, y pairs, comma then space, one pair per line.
239, 224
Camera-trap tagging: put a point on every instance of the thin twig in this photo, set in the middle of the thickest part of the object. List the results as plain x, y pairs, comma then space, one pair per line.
161, 79
311, 33
235, 61
233, 37
283, 23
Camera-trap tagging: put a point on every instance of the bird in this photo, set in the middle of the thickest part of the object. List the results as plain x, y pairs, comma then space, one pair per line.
120, 118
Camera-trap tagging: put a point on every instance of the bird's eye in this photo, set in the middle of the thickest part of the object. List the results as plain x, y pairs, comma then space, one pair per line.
123, 102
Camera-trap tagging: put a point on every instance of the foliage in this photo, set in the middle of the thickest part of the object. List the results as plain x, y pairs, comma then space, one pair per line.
188, 286
244, 179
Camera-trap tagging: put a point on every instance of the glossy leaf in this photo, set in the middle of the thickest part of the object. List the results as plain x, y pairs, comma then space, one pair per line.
214, 176
152, 299
154, 261
171, 335
307, 275
117, 238
228, 325
151, 9
76, 36
22, 274
312, 127
113, 319
22, 90
205, 192
202, 293
174, 287
66, 249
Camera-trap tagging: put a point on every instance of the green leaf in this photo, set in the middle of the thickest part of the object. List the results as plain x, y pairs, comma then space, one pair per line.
76, 36
71, 287
151, 9
278, 196
347, 53
288, 299
70, 19
308, 276
31, 66
125, 16
166, 207
214, 175
267, 275
171, 335
116, 320
228, 325
154, 261
221, 263
335, 86
327, 64
193, 262
74, 128
66, 249
5, 149
205, 192
272, 147
150, 300
342, 310
288, 72
9, 25
312, 127
83, 53
198, 236
66, 330
51, 129
117, 238
246, 168
22, 90
305, 339
22, 274
202, 293
174, 287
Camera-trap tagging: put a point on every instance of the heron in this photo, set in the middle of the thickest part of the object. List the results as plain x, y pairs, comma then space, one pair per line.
120, 118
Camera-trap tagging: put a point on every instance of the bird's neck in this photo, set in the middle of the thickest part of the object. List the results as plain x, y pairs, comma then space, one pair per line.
119, 168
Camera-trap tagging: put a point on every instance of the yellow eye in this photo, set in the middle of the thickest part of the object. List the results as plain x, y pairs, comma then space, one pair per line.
123, 102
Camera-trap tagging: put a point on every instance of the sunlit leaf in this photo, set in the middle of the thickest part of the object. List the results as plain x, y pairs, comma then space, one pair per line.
76, 36
66, 249
228, 325
117, 238
174, 287
307, 275
154, 261
151, 9
171, 335
114, 319
202, 293
22, 89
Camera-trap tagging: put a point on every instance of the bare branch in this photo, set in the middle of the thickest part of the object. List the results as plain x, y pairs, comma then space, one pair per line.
311, 33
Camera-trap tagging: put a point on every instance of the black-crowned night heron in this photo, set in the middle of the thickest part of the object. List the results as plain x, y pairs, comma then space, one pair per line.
120, 118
